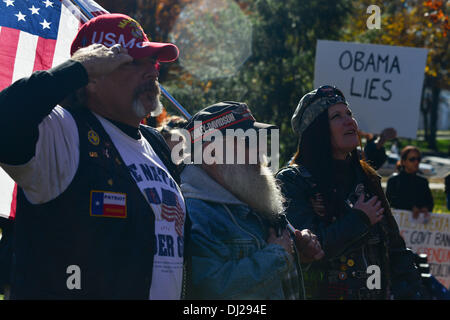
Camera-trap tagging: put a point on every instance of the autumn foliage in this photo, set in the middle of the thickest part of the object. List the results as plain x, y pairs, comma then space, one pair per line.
412, 23
284, 34
437, 16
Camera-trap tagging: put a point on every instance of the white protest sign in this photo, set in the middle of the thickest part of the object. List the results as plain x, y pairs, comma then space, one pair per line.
6, 194
383, 84
432, 239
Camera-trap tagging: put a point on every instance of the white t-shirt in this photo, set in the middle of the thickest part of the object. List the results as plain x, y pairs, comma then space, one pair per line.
55, 163
165, 198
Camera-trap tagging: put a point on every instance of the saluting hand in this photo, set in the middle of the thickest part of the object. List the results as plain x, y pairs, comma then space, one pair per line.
99, 60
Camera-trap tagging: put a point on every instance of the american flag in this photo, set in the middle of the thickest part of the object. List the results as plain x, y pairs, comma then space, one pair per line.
172, 211
34, 35
93, 7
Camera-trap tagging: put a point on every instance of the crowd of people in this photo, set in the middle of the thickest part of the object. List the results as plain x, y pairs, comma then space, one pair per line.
99, 191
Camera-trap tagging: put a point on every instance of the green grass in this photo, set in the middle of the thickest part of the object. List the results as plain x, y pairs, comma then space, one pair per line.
440, 205
442, 142
443, 145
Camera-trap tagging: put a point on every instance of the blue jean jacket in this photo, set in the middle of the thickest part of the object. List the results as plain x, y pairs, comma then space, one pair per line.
230, 257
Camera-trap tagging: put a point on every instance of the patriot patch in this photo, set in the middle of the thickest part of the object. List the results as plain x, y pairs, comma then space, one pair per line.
108, 204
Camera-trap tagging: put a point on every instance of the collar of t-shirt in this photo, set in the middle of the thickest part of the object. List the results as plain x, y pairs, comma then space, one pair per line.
130, 131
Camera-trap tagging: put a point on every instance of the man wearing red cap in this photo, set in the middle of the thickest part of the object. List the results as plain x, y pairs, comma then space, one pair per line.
100, 214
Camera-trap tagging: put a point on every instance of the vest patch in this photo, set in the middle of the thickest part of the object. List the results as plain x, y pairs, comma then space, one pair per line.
93, 137
108, 204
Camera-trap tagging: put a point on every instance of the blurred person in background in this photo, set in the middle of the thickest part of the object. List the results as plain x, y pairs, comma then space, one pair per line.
447, 190
168, 126
408, 190
339, 197
374, 150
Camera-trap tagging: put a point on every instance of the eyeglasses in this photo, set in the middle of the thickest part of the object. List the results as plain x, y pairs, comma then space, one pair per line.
413, 159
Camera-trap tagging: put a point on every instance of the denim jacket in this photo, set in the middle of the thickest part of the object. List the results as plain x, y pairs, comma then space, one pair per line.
230, 256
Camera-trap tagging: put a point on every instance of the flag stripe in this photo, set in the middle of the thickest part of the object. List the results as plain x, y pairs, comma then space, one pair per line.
23, 52
6, 194
26, 51
170, 209
97, 13
7, 54
93, 7
12, 213
172, 213
114, 210
45, 50
68, 27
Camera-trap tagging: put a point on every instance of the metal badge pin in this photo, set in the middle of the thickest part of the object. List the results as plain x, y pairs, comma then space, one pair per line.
342, 275
93, 137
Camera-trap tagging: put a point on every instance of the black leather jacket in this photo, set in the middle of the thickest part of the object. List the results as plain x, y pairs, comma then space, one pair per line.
350, 244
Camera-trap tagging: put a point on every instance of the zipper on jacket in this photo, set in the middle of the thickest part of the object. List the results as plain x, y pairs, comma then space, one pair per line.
364, 256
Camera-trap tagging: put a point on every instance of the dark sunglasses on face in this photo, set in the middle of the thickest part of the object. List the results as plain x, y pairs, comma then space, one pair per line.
413, 159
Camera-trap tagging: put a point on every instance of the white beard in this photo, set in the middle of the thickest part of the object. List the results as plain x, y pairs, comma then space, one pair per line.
138, 108
140, 111
252, 184
159, 108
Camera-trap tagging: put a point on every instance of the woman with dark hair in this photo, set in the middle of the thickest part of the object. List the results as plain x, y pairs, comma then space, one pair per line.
330, 191
406, 189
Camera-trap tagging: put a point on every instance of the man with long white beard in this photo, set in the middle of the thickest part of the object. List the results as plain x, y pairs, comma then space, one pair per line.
99, 213
239, 244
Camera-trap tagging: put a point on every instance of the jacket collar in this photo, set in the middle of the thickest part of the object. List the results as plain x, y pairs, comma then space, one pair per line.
197, 184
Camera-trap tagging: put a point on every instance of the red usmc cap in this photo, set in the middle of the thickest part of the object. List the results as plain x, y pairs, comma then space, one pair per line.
110, 29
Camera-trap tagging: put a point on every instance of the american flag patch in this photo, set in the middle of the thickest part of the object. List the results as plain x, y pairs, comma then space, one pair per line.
108, 204
172, 211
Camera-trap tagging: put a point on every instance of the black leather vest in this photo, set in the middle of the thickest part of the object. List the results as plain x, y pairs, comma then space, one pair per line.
114, 254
